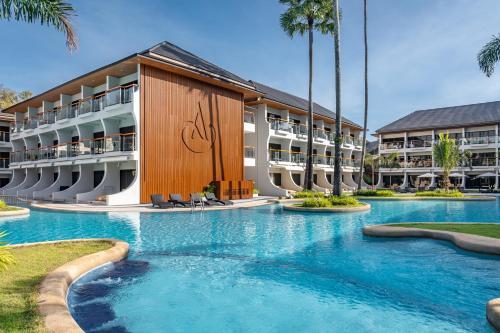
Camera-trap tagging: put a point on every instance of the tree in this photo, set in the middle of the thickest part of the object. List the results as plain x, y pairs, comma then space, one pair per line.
304, 16
337, 176
489, 56
9, 97
6, 257
48, 12
365, 121
372, 162
447, 156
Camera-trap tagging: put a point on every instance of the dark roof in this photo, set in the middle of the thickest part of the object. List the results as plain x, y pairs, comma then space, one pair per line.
296, 102
449, 117
173, 52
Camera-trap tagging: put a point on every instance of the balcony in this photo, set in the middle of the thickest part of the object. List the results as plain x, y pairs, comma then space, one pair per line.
249, 117
112, 143
480, 140
350, 163
483, 162
4, 137
4, 163
419, 164
418, 144
249, 152
280, 125
115, 96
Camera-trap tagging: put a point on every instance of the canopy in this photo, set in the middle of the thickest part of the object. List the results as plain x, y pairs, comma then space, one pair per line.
426, 175
456, 174
487, 174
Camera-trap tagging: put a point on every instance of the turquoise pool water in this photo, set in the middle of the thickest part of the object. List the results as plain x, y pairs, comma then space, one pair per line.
266, 270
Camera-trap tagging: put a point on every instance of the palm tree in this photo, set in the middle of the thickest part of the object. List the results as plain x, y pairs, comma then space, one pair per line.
337, 176
303, 16
365, 122
6, 257
48, 12
371, 161
489, 56
447, 156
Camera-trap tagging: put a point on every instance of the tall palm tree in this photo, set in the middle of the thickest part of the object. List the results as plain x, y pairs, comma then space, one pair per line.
372, 162
447, 156
337, 172
303, 16
365, 121
48, 12
489, 56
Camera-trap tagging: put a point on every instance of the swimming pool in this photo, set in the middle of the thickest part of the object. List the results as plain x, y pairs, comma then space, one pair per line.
266, 270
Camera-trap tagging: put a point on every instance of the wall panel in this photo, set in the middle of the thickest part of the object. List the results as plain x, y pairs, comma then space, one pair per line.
192, 134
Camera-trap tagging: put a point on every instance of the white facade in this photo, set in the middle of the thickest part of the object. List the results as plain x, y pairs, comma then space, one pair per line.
276, 146
413, 149
81, 147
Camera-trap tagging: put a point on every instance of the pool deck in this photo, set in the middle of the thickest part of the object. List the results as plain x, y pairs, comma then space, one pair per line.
468, 242
147, 208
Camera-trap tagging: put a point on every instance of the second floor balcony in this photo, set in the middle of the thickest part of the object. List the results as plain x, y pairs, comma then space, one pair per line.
108, 144
481, 140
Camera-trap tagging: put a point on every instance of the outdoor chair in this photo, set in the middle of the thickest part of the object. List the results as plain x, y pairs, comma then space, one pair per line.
197, 200
158, 201
212, 198
176, 199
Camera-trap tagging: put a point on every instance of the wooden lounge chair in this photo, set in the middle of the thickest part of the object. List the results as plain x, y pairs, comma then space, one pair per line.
157, 200
176, 199
213, 199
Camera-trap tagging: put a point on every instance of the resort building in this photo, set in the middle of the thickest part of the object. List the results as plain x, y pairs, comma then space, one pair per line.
405, 147
166, 121
5, 148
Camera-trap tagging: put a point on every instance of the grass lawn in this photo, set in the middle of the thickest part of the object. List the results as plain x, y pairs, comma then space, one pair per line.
18, 284
488, 230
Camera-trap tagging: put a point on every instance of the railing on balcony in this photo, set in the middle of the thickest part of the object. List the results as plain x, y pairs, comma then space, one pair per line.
418, 144
4, 163
280, 125
297, 157
16, 127
480, 140
419, 164
319, 133
349, 140
392, 145
249, 117
350, 162
484, 161
118, 95
249, 152
112, 143
299, 129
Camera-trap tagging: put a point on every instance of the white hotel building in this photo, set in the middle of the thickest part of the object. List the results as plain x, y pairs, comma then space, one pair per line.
411, 138
80, 141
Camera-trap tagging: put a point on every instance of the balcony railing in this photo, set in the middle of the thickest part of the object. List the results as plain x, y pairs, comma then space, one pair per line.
418, 144
480, 140
484, 161
319, 133
280, 125
118, 95
419, 164
112, 143
249, 117
4, 163
249, 152
4, 136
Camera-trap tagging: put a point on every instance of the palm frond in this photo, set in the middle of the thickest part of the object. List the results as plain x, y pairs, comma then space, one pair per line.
48, 12
489, 56
6, 258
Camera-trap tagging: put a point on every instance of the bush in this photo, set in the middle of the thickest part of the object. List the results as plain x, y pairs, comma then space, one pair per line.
343, 201
441, 193
374, 193
316, 203
3, 205
308, 194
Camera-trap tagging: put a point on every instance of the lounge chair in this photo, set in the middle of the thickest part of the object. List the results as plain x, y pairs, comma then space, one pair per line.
157, 200
176, 199
197, 200
213, 199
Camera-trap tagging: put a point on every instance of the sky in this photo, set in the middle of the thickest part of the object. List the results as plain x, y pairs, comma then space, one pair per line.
422, 53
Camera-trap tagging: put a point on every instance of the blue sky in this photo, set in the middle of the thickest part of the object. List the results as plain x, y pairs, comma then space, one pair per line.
422, 52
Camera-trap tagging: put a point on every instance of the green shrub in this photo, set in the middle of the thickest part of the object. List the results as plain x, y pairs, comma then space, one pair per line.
343, 201
256, 191
374, 193
3, 205
441, 193
316, 203
308, 194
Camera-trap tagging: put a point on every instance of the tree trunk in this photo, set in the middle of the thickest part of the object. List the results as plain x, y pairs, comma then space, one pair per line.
337, 173
308, 181
365, 123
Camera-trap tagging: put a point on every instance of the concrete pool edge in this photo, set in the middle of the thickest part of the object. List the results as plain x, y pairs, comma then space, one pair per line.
363, 208
468, 242
412, 197
51, 302
20, 211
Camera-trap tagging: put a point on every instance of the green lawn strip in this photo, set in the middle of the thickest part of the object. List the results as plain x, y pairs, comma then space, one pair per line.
480, 229
18, 284
9, 209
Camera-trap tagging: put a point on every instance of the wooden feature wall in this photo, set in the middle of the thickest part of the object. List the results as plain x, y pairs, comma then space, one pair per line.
191, 134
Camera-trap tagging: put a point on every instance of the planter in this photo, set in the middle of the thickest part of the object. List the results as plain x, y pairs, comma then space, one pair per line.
19, 212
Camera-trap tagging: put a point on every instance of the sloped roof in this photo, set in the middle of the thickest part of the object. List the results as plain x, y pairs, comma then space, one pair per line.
448, 117
177, 54
296, 102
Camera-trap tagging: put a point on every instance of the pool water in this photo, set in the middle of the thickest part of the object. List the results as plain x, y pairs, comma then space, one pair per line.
267, 270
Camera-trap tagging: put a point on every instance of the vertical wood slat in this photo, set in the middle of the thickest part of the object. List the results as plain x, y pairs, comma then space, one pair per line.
170, 104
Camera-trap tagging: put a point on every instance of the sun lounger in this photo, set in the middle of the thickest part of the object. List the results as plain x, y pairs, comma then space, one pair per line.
197, 200
176, 199
213, 199
157, 200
